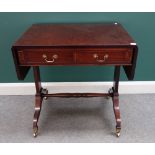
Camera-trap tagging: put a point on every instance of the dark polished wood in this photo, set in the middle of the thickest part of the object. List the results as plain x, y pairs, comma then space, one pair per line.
38, 100
75, 35
115, 99
73, 56
77, 95
62, 38
102, 44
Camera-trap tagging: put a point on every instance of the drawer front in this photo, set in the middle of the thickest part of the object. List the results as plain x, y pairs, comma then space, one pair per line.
104, 56
46, 57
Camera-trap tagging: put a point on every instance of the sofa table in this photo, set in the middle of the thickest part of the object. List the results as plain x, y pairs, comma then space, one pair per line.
103, 44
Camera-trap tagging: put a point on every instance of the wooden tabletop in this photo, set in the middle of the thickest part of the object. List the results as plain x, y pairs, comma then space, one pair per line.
106, 34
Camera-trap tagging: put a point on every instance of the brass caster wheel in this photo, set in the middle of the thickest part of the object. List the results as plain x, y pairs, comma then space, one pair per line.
45, 98
45, 91
118, 132
35, 132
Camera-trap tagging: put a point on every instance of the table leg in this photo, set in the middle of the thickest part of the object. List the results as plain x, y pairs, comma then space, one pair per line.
115, 99
38, 100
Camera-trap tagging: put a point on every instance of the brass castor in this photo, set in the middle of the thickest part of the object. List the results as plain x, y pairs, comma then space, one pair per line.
35, 131
118, 132
45, 91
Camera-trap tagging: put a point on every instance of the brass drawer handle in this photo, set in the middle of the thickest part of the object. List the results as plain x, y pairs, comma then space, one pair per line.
55, 56
101, 60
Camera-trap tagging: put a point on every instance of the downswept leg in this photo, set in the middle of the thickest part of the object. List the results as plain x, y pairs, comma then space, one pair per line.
38, 104
38, 100
115, 99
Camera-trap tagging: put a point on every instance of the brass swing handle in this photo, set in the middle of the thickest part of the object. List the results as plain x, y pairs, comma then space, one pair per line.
55, 56
101, 60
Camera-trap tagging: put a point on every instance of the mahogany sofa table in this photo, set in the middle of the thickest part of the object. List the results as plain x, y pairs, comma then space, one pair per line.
75, 44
